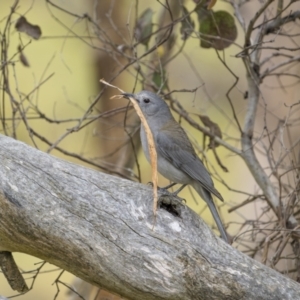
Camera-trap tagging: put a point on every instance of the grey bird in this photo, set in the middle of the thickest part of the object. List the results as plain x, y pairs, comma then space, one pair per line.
176, 157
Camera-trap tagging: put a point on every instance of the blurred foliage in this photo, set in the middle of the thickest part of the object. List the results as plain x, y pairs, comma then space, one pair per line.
143, 27
217, 29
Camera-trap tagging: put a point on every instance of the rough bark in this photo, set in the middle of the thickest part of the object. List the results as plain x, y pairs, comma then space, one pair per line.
100, 228
12, 273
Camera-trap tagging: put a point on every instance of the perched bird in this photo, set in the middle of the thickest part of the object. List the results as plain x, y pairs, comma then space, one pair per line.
176, 157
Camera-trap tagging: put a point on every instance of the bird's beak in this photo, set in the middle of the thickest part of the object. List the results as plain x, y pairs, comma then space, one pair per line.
128, 95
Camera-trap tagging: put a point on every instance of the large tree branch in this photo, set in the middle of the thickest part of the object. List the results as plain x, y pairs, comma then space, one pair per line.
100, 228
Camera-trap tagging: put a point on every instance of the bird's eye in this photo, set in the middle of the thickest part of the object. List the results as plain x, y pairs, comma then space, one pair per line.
146, 100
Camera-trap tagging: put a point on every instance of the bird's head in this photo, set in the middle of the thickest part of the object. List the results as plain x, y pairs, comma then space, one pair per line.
150, 103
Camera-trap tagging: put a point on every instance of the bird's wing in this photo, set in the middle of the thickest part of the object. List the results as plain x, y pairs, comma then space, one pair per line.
181, 154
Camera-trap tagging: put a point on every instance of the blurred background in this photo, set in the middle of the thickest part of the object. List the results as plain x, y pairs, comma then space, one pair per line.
64, 110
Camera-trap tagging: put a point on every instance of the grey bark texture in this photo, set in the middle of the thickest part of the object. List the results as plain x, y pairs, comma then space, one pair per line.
100, 228
12, 273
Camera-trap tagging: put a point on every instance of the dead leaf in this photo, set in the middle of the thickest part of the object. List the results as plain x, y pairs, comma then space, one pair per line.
214, 129
23, 58
33, 31
211, 4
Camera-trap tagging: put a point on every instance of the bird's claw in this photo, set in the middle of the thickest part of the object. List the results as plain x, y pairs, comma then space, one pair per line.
174, 199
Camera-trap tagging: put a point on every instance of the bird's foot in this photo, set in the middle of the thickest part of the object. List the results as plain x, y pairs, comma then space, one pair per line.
164, 190
171, 197
170, 200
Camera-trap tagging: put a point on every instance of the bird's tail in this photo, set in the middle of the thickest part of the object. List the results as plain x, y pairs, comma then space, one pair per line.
206, 196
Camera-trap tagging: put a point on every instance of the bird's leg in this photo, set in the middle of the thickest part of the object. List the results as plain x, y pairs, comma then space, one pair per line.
164, 190
179, 190
169, 186
174, 194
170, 201
165, 187
172, 184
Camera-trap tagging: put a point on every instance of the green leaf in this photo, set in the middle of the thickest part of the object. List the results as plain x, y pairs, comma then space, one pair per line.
187, 24
217, 29
143, 27
159, 79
